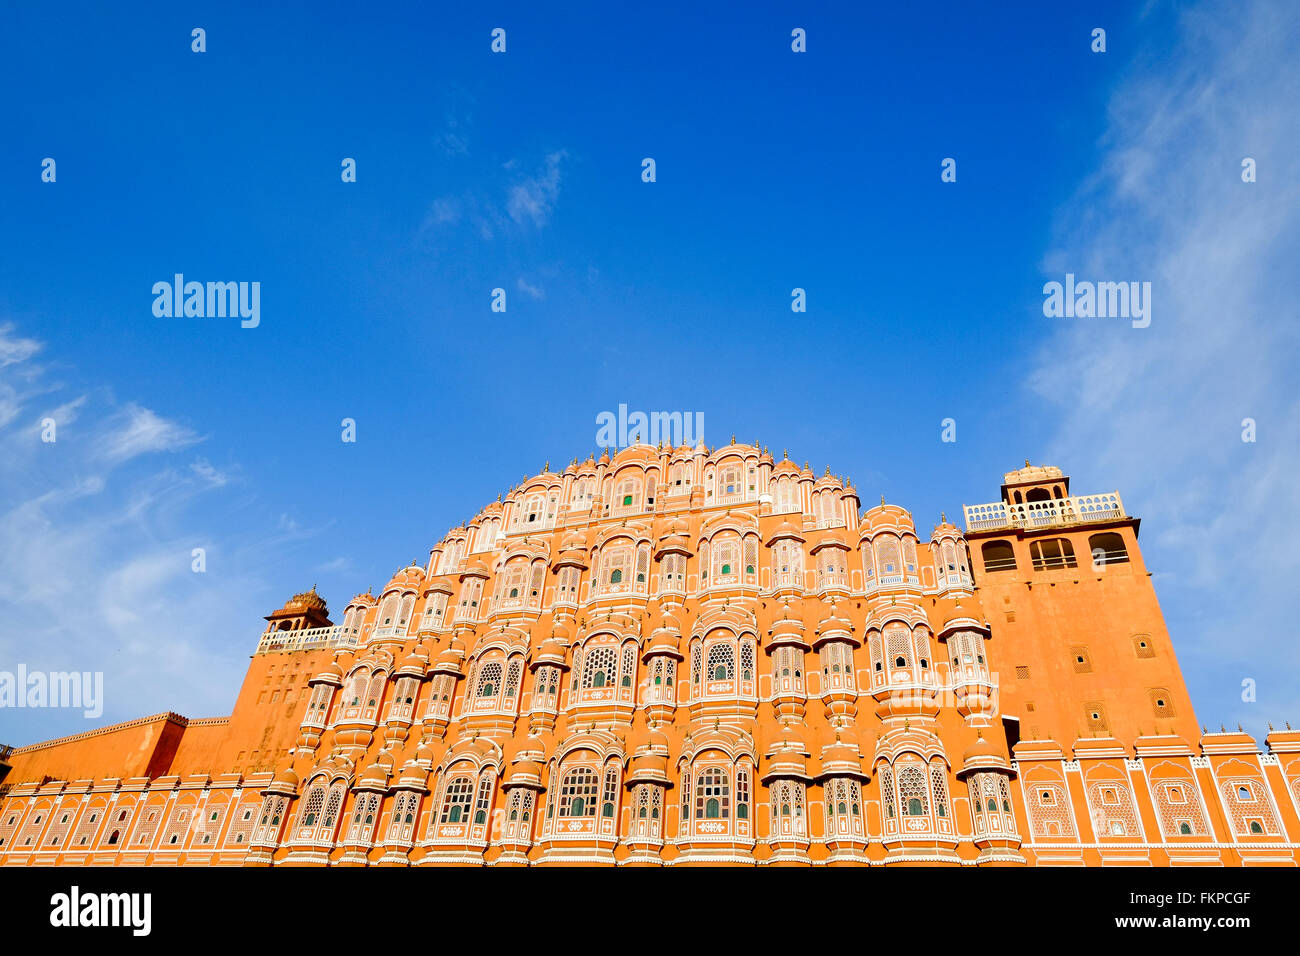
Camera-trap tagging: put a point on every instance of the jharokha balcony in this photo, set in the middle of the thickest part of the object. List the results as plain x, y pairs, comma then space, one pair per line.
1044, 513
308, 639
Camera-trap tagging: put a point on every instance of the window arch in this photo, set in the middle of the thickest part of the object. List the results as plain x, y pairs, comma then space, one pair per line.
489, 679
912, 791
713, 794
312, 806
457, 795
616, 568
1107, 548
898, 645
721, 662
578, 790
998, 556
1050, 553
599, 666
374, 694
889, 561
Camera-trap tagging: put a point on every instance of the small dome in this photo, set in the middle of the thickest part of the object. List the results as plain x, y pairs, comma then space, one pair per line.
412, 665
525, 772
982, 755
286, 782
664, 642
331, 673
287, 776
308, 599
827, 481
786, 529
375, 776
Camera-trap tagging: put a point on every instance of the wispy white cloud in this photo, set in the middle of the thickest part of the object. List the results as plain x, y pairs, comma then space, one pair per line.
533, 198
210, 475
515, 204
136, 430
14, 348
1158, 412
530, 290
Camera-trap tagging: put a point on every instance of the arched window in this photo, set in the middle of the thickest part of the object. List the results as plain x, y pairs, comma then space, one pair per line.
1107, 548
598, 666
483, 800
912, 791
456, 799
1049, 553
888, 556
722, 662
616, 576
629, 665
712, 794
312, 806
998, 556
489, 679
611, 792
578, 792
898, 643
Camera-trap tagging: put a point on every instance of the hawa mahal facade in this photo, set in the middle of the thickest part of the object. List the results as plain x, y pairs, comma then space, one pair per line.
684, 656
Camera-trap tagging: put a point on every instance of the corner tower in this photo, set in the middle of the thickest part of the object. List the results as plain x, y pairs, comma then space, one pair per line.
1082, 651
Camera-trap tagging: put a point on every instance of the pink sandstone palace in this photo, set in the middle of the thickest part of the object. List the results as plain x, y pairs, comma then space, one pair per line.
684, 656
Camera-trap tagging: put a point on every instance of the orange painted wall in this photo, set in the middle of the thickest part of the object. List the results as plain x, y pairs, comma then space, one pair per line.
138, 748
1044, 619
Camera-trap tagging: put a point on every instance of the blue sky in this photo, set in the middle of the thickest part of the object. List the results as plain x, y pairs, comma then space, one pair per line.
522, 171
